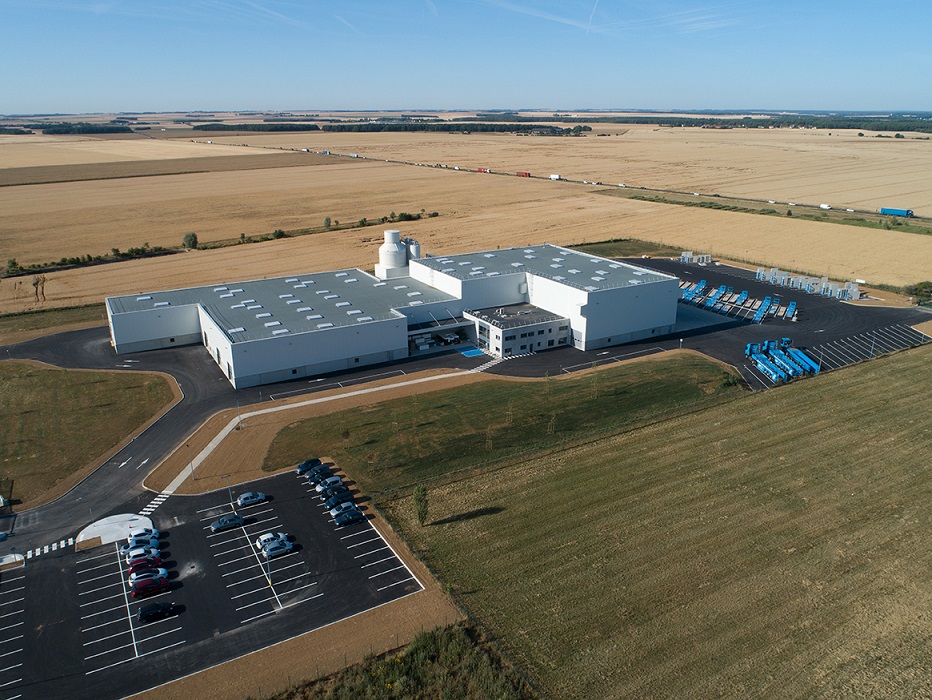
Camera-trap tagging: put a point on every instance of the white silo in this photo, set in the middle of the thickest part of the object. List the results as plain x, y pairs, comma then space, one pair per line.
393, 257
414, 249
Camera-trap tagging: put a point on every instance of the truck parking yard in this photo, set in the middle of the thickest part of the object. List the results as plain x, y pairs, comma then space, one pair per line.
69, 616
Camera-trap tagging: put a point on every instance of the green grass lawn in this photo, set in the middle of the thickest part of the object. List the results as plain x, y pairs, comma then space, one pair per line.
56, 421
396, 443
626, 248
773, 546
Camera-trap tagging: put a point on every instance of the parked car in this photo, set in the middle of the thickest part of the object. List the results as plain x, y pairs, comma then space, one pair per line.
344, 507
141, 553
250, 498
327, 494
328, 483
349, 517
315, 476
142, 532
147, 574
227, 522
137, 542
143, 564
276, 548
152, 586
154, 612
307, 465
270, 537
342, 496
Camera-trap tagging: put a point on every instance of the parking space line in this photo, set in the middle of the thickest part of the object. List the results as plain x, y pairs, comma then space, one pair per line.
256, 617
14, 580
109, 651
247, 580
4, 685
204, 510
259, 522
15, 612
258, 602
154, 651
95, 557
295, 578
398, 583
10, 653
103, 639
100, 600
20, 588
15, 624
11, 639
103, 624
10, 668
96, 578
92, 568
10, 602
373, 563
160, 634
360, 544
237, 571
346, 537
387, 571
100, 612
233, 561
303, 600
101, 588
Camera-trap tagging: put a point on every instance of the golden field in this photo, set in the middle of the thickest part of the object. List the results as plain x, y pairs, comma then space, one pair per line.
48, 221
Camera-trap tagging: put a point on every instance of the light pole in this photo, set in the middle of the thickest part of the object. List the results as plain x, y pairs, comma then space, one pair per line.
681, 343
229, 490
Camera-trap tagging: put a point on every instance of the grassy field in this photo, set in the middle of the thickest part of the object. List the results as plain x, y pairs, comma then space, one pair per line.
626, 248
454, 663
17, 324
392, 444
45, 438
774, 546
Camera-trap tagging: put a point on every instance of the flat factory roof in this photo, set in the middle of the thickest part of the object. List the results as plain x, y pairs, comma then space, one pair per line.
569, 267
515, 315
286, 305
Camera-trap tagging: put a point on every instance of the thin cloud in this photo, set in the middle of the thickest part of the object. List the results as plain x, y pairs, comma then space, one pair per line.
432, 7
347, 24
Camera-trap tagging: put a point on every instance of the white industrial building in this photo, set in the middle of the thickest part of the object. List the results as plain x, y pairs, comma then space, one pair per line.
507, 302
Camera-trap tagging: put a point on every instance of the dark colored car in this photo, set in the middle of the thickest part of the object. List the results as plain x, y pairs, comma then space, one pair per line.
227, 522
315, 476
349, 517
343, 496
307, 465
151, 586
154, 612
327, 494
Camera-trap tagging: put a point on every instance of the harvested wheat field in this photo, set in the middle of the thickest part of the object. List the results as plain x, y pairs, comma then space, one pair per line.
797, 165
580, 216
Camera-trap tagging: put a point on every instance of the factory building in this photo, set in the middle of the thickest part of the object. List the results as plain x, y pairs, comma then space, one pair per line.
506, 302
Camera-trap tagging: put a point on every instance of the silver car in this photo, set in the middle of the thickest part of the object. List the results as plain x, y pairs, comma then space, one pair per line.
138, 542
327, 483
276, 548
147, 574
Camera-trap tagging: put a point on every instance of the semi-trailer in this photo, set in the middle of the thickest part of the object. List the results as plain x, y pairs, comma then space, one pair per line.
483, 170
522, 173
888, 211
555, 177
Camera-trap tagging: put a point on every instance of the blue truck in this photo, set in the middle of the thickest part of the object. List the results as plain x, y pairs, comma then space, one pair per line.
887, 211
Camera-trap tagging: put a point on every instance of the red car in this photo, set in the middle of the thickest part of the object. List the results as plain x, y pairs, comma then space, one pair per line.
152, 586
144, 563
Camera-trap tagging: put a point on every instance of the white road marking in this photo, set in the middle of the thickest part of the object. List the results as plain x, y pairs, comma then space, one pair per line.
398, 583
387, 571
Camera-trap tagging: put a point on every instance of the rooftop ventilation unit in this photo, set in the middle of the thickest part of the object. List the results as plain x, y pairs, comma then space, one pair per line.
343, 303
280, 331
264, 314
236, 291
322, 291
353, 312
314, 316
363, 318
254, 306
305, 308
380, 284
292, 279
220, 289
285, 296
293, 301
325, 325
350, 280
162, 303
143, 298
270, 324
238, 306
228, 295
341, 274
331, 296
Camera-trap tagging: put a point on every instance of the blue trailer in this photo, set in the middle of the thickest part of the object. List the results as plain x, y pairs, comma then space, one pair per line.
889, 211
803, 360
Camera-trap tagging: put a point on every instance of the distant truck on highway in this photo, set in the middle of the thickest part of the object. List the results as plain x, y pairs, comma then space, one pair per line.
523, 173
887, 211
555, 177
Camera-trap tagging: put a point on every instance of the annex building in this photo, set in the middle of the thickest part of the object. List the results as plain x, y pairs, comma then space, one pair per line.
506, 302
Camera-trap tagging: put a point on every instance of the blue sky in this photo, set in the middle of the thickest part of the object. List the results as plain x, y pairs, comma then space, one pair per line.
153, 55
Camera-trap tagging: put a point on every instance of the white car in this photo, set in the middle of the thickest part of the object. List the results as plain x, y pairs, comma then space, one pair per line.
270, 537
142, 533
327, 483
137, 542
342, 508
250, 498
142, 553
147, 574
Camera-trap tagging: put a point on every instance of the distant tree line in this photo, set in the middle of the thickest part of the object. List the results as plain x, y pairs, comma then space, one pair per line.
81, 128
256, 127
898, 123
445, 127
14, 131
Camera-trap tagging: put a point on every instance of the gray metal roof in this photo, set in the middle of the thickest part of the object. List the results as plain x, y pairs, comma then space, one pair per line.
298, 304
569, 267
515, 315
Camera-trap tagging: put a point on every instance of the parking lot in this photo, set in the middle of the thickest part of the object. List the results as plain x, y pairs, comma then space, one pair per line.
69, 626
12, 631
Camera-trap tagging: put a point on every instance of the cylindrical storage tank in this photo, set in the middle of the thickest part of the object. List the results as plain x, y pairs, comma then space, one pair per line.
414, 249
393, 253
